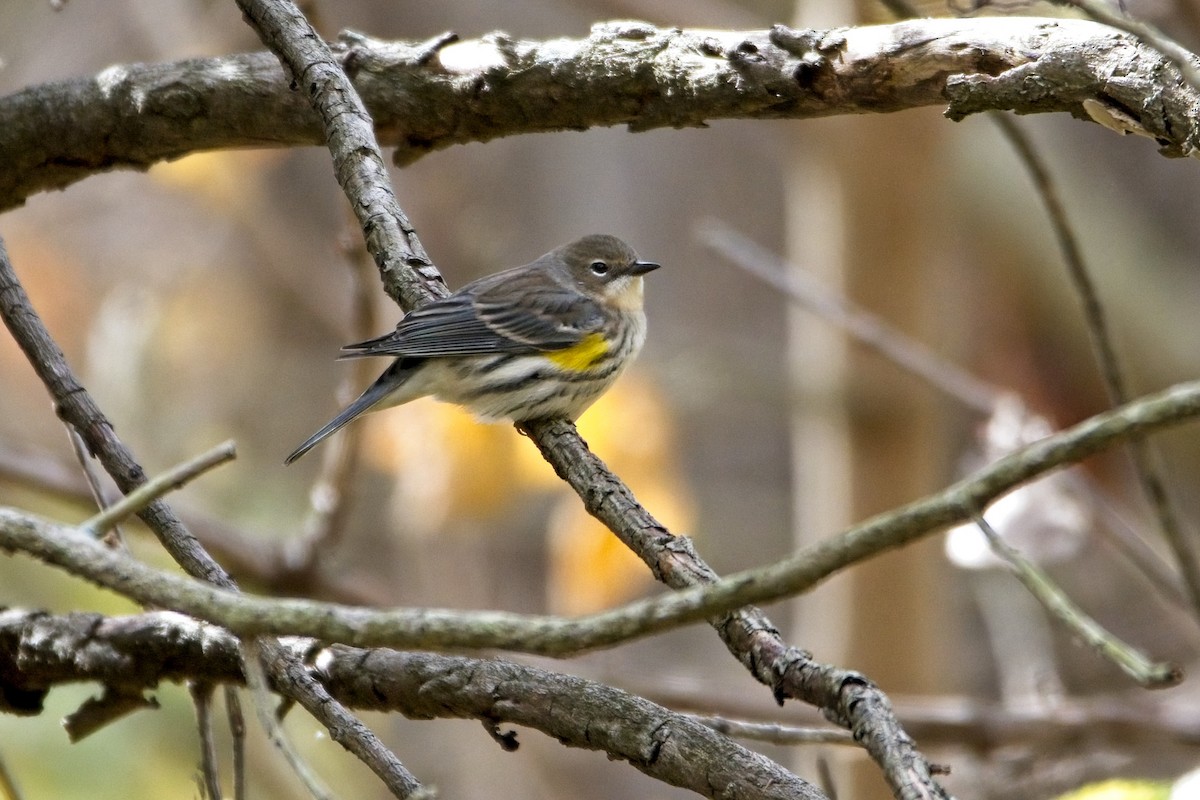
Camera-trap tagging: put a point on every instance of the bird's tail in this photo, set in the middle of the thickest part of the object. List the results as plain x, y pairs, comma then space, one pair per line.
387, 383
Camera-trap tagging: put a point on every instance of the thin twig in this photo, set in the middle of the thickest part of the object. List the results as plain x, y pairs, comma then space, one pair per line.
1149, 474
88, 468
260, 560
774, 732
332, 490
1128, 541
1152, 675
256, 681
174, 478
202, 692
863, 326
237, 732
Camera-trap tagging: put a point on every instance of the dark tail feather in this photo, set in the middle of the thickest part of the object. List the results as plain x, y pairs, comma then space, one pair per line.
387, 383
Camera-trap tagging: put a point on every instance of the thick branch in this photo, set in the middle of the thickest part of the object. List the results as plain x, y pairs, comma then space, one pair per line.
425, 97
39, 651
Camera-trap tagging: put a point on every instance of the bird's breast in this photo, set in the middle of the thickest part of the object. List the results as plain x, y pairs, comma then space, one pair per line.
625, 293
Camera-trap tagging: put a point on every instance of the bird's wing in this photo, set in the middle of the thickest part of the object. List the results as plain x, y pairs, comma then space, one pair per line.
482, 319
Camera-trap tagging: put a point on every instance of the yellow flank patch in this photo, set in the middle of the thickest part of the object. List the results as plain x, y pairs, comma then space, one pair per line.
583, 356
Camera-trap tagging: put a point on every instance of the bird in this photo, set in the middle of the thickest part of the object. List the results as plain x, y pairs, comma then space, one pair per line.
543, 340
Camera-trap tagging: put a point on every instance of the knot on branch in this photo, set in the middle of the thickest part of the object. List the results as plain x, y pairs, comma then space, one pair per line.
787, 62
358, 52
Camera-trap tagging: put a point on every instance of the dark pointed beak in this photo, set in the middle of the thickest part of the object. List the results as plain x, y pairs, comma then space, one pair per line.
642, 267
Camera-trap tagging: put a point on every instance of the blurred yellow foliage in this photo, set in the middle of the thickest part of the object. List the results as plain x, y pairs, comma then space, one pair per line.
449, 468
590, 569
1120, 790
446, 465
219, 178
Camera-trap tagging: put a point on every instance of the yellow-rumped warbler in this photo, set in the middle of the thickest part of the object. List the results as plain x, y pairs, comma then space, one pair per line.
542, 340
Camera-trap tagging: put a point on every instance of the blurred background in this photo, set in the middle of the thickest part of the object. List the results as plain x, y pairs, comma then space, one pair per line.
207, 299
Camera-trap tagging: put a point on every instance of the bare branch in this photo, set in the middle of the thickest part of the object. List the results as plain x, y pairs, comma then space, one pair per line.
131, 117
248, 615
266, 561
408, 274
76, 407
237, 732
158, 486
859, 323
210, 782
45, 651
1137, 666
1149, 473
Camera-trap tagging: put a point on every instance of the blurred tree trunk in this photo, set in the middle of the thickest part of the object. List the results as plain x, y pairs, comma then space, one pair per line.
858, 218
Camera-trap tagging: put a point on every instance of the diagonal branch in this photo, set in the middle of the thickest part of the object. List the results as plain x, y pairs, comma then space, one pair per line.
846, 696
1146, 465
77, 408
411, 279
69, 548
408, 274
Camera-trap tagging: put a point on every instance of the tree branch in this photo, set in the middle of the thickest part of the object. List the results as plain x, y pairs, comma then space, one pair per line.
265, 561
157, 487
412, 280
480, 90
39, 651
408, 275
77, 408
249, 615
429, 96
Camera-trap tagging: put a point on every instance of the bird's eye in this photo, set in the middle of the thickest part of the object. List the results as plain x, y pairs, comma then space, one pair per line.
600, 267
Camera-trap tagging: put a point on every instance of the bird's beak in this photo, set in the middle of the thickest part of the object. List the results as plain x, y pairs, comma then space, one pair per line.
642, 267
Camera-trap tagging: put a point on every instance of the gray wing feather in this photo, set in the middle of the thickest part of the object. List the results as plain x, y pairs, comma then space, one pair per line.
481, 319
